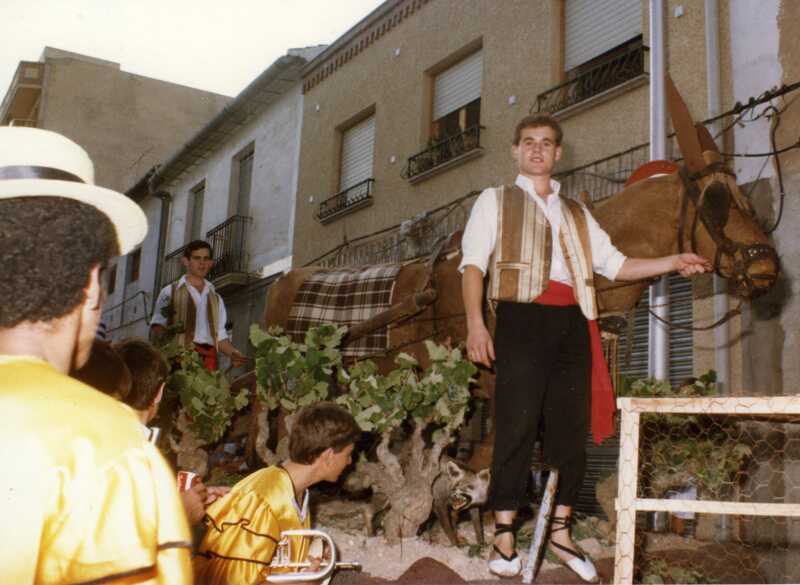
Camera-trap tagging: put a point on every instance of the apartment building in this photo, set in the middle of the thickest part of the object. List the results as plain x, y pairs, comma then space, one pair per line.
126, 122
232, 184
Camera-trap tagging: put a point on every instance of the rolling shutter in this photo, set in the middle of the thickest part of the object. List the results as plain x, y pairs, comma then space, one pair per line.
681, 344
358, 147
593, 27
681, 354
454, 88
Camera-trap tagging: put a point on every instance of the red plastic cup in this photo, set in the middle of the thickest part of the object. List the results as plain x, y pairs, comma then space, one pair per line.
186, 479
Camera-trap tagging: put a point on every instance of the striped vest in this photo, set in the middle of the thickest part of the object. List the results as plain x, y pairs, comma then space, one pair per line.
520, 267
185, 311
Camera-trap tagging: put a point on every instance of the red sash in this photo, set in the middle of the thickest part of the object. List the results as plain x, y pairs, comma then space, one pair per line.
208, 353
561, 295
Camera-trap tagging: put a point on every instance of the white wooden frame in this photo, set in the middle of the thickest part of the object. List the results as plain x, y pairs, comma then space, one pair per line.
627, 504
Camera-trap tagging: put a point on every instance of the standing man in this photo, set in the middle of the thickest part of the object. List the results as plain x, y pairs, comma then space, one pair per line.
540, 250
83, 496
193, 302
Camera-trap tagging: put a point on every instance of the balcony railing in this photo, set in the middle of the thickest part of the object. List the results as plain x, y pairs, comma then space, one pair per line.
172, 267
607, 75
229, 242
444, 151
353, 197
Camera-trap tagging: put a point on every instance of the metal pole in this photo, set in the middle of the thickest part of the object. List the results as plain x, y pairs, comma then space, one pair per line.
714, 101
658, 365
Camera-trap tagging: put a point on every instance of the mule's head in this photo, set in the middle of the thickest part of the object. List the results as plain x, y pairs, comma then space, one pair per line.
717, 220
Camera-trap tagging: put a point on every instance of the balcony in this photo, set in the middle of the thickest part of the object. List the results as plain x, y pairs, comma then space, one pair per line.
22, 122
352, 198
21, 102
603, 80
229, 242
445, 154
172, 268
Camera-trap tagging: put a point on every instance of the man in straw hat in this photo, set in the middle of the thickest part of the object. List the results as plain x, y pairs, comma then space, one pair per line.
83, 496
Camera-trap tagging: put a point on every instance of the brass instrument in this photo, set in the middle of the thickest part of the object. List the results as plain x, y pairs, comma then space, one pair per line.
283, 559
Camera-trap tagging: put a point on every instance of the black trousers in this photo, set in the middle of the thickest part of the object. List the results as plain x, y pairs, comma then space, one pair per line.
543, 378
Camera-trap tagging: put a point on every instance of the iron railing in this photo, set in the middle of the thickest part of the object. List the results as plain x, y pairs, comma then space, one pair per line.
605, 177
229, 242
128, 312
357, 195
172, 267
616, 71
444, 151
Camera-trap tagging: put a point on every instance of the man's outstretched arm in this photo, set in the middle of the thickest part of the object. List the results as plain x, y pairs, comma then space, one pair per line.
685, 264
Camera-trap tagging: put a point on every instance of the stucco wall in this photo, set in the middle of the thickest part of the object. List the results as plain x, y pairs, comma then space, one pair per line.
274, 134
521, 47
125, 122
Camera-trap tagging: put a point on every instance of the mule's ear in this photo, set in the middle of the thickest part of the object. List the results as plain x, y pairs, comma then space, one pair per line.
688, 140
705, 138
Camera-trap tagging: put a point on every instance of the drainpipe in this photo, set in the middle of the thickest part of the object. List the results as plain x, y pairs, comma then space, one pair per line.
658, 362
722, 352
163, 222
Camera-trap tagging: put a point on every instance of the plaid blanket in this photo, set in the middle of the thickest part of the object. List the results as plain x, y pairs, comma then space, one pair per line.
345, 296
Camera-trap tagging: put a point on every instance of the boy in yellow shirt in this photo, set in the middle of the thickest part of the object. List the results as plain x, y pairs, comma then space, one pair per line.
244, 527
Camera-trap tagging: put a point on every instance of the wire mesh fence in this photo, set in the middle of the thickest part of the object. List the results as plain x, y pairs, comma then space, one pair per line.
709, 490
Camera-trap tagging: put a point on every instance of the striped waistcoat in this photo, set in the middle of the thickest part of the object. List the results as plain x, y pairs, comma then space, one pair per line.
185, 311
520, 267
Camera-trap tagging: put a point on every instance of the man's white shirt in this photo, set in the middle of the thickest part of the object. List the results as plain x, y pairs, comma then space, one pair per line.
202, 329
480, 234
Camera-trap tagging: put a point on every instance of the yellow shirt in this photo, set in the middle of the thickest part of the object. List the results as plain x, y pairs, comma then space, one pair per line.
83, 496
244, 528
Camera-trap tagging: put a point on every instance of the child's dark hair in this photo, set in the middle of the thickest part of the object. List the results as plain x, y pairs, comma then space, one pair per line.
148, 370
319, 427
105, 371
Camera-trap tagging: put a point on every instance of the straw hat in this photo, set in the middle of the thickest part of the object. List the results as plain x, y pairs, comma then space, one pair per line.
35, 163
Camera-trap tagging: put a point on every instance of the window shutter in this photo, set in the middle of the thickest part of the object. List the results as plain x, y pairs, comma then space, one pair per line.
593, 27
636, 367
681, 341
358, 147
454, 88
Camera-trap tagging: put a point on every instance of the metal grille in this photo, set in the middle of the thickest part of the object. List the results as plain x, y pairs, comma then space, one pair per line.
356, 196
444, 151
229, 242
602, 77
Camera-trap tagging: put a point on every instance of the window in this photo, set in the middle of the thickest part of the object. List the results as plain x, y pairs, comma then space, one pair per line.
595, 27
457, 97
602, 50
455, 119
355, 171
112, 279
134, 264
358, 152
244, 181
195, 212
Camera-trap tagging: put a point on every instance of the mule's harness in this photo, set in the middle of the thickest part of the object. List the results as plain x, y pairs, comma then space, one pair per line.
740, 255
